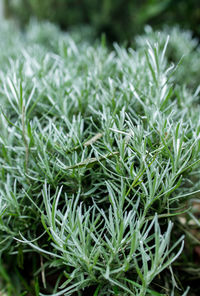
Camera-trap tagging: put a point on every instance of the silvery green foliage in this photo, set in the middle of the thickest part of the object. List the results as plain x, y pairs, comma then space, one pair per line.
183, 48
97, 149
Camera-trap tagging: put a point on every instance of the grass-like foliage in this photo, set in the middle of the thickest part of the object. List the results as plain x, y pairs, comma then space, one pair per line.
99, 159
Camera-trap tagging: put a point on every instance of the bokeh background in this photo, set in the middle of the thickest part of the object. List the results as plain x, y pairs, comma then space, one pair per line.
119, 19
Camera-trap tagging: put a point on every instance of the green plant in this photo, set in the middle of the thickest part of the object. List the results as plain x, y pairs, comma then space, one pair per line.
99, 158
183, 49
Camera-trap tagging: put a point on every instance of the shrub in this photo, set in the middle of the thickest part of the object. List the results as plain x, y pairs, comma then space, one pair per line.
99, 163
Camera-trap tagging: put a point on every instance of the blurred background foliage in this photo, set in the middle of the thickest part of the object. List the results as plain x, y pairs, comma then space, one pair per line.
119, 19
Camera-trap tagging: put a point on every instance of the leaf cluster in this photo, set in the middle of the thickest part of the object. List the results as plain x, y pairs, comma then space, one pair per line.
99, 156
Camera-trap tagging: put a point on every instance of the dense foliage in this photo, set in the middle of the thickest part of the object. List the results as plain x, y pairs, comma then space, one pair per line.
99, 164
119, 19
